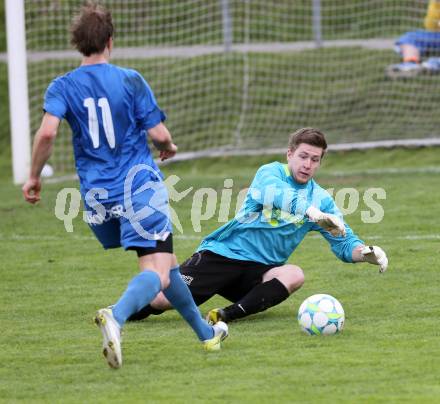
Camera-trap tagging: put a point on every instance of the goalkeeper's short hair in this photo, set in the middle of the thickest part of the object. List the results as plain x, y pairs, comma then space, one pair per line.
310, 136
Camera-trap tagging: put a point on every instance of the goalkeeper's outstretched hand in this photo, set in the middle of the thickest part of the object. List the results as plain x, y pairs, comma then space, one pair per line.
375, 255
331, 223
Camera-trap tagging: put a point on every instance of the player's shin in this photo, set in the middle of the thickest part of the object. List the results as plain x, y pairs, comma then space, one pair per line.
141, 290
260, 298
180, 297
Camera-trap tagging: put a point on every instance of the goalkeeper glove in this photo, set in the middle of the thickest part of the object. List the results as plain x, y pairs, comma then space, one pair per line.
375, 255
331, 223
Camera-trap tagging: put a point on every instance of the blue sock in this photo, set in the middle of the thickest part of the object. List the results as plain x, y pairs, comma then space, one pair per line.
180, 297
141, 290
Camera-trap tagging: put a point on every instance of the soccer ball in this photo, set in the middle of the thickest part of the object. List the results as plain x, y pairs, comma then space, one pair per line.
47, 171
321, 314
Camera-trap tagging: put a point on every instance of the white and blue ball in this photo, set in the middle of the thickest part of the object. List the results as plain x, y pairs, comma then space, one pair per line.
321, 315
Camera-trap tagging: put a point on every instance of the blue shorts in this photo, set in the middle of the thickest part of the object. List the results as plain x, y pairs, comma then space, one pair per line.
427, 42
139, 220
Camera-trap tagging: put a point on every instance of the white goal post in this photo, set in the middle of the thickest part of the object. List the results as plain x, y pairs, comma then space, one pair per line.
18, 90
237, 76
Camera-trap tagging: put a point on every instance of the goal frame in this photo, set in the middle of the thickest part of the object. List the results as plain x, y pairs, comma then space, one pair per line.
18, 90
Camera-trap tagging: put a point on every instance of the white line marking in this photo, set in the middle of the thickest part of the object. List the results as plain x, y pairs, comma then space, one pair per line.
379, 171
199, 50
324, 173
27, 237
379, 237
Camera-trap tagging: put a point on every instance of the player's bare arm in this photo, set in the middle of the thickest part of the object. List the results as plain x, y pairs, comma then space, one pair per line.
41, 151
163, 142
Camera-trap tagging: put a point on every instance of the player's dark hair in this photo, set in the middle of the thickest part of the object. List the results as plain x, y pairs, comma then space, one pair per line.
310, 136
91, 29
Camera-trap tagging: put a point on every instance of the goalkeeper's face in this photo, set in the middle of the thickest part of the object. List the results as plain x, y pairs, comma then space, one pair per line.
304, 161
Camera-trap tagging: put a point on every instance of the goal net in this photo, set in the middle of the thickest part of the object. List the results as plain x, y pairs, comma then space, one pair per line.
243, 74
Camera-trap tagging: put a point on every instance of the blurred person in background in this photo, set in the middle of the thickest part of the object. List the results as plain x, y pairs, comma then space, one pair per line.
415, 45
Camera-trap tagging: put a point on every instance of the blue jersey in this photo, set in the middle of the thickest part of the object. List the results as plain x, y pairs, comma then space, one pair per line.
109, 110
271, 223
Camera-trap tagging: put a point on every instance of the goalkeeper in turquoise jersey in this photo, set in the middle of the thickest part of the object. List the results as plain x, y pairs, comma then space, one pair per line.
245, 260
124, 195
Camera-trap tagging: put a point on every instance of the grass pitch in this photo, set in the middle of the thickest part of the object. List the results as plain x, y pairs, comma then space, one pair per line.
53, 281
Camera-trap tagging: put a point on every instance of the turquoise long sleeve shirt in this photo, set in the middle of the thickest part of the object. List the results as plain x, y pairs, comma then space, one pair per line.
272, 223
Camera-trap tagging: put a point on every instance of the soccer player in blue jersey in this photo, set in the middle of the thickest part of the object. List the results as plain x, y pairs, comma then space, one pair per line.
111, 110
245, 260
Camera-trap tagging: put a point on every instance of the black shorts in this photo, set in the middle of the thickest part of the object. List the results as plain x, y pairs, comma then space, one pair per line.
208, 274
161, 246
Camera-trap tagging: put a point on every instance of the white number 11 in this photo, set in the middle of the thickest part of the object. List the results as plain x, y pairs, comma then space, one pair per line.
107, 121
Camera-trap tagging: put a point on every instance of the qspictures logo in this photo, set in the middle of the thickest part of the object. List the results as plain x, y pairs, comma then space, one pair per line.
150, 208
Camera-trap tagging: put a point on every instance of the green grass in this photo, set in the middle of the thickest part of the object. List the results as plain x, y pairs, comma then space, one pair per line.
2, 27
342, 91
281, 20
53, 281
195, 22
5, 142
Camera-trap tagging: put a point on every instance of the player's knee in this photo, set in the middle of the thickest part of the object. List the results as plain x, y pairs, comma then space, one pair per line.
164, 280
160, 302
164, 277
295, 277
